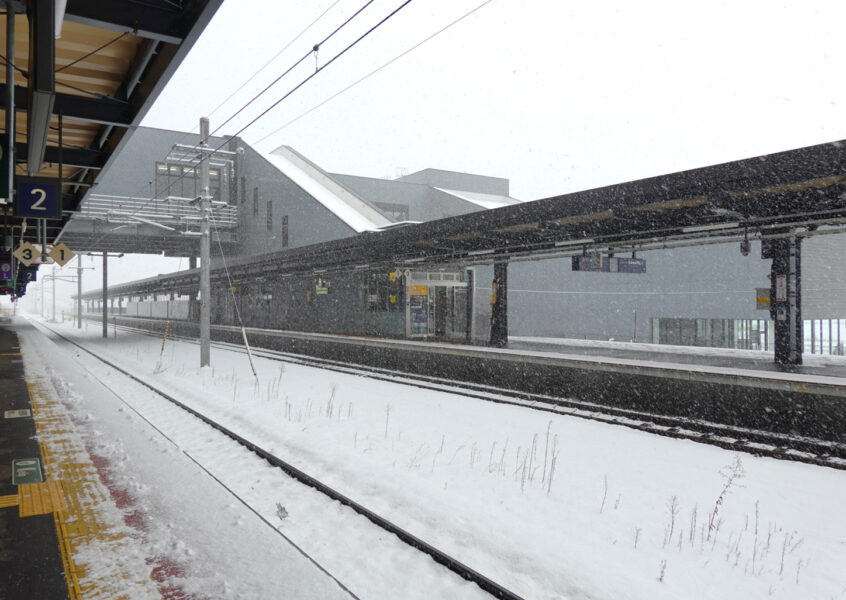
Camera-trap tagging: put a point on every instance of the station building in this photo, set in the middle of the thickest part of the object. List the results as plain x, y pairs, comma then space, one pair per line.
703, 295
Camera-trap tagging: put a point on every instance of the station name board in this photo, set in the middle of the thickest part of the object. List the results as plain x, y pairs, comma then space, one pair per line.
609, 264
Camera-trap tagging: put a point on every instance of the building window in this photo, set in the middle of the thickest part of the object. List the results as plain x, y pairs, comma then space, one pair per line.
269, 215
395, 212
384, 295
255, 202
285, 231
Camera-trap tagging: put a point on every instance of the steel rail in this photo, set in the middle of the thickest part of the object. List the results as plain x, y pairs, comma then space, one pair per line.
756, 442
454, 565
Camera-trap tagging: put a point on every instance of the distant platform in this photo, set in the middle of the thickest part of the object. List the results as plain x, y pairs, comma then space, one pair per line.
754, 360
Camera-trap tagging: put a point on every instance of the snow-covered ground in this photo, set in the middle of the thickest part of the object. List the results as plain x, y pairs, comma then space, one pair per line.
550, 506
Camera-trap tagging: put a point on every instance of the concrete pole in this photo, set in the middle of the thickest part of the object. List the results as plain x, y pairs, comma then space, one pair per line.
105, 294
54, 294
205, 267
79, 296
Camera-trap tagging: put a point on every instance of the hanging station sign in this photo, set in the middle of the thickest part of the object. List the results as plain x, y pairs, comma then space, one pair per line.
609, 264
38, 197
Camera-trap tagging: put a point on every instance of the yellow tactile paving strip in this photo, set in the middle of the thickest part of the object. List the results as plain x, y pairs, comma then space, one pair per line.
40, 498
9, 501
36, 499
80, 525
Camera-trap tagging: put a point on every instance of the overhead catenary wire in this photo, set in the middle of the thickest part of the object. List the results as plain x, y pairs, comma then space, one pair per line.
321, 69
93, 52
197, 163
280, 100
234, 299
294, 66
275, 56
374, 71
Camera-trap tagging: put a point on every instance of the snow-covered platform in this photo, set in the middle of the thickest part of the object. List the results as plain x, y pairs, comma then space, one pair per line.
62, 531
30, 561
549, 505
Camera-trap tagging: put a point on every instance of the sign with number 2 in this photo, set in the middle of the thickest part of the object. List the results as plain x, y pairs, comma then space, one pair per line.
37, 197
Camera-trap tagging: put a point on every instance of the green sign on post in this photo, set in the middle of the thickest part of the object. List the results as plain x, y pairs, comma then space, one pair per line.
26, 470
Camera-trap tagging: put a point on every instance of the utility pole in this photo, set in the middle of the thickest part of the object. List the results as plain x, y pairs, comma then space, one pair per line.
106, 256
78, 292
54, 277
105, 294
205, 267
79, 269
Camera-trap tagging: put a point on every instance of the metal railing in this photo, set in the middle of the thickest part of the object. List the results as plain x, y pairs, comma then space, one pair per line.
173, 213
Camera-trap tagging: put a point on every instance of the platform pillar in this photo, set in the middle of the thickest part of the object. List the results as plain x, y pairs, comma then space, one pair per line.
499, 306
470, 304
786, 297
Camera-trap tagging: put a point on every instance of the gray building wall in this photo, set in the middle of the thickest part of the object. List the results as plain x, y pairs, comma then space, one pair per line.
423, 203
309, 222
824, 277
133, 172
547, 298
451, 180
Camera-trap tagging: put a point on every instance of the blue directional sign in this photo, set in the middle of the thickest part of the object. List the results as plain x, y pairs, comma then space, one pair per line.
5, 269
38, 197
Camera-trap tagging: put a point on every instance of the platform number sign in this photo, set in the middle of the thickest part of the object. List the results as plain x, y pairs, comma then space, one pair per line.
26, 254
61, 254
37, 197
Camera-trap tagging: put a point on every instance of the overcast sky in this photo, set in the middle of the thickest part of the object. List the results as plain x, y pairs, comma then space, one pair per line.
555, 96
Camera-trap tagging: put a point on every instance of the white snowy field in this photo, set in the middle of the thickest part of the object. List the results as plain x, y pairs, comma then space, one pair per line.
550, 506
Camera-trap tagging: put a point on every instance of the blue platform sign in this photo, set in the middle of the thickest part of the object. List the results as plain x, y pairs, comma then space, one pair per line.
38, 197
5, 269
609, 264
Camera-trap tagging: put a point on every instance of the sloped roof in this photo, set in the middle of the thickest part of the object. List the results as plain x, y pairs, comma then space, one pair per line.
483, 200
348, 207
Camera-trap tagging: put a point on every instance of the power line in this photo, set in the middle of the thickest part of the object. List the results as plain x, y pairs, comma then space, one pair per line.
298, 86
320, 69
93, 52
295, 65
373, 72
275, 56
186, 136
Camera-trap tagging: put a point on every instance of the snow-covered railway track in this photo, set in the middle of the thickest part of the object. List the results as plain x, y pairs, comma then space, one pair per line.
454, 565
741, 439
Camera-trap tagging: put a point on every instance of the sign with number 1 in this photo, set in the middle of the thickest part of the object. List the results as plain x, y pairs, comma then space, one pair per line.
37, 197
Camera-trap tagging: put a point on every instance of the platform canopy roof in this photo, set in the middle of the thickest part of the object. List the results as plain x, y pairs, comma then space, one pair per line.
86, 75
797, 192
